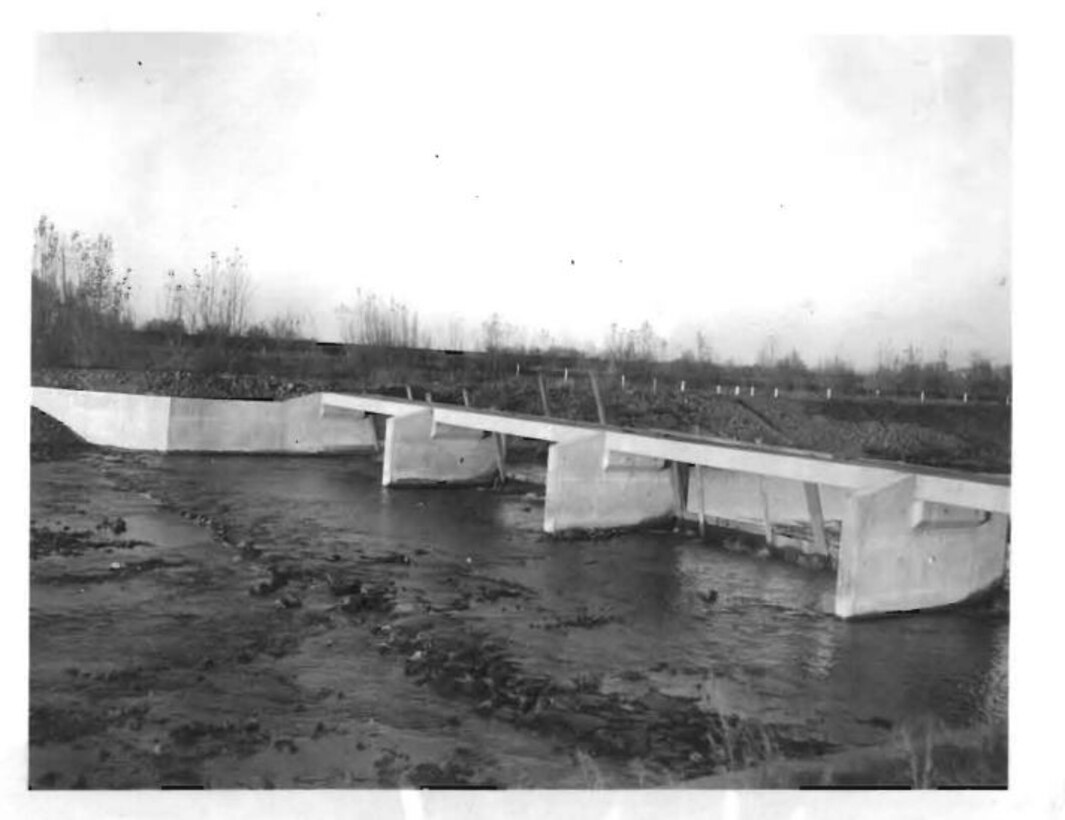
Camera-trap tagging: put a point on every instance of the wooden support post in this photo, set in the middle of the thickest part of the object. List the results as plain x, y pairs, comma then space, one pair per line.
702, 499
410, 394
679, 500
565, 375
428, 397
598, 398
465, 397
543, 394
767, 522
501, 456
817, 518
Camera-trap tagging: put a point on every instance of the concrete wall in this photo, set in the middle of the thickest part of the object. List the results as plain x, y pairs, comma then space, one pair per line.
122, 420
898, 554
217, 426
588, 489
161, 423
416, 454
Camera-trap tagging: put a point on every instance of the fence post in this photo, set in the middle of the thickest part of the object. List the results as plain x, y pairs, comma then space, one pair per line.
682, 384
598, 398
410, 394
465, 397
828, 393
776, 392
543, 394
654, 385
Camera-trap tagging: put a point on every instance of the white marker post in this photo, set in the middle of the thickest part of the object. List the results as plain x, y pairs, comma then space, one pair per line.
922, 397
718, 390
654, 385
682, 385
776, 392
964, 398
622, 381
565, 375
517, 370
736, 390
828, 394
752, 389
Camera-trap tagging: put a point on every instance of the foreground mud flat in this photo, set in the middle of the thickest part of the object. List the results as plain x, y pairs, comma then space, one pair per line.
183, 634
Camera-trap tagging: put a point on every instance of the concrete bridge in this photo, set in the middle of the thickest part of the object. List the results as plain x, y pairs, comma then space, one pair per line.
901, 537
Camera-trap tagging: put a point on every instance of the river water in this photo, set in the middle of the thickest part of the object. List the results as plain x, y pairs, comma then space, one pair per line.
764, 648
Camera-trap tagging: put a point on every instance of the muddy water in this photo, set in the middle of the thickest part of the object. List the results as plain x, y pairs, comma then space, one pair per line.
152, 664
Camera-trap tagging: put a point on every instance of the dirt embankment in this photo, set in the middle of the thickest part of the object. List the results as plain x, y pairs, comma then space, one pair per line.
968, 437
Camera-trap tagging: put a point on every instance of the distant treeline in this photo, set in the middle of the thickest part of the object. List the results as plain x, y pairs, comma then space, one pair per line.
131, 348
81, 318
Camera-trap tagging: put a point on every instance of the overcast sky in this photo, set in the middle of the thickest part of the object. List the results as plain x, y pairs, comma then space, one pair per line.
837, 194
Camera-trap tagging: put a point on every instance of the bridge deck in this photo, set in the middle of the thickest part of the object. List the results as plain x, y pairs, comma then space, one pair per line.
979, 491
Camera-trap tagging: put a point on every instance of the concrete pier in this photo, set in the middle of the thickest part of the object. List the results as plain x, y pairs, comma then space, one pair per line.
419, 452
900, 554
589, 487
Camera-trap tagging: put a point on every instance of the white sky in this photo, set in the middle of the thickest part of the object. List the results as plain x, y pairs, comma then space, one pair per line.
838, 194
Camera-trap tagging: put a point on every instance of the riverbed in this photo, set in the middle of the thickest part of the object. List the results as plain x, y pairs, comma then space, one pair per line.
260, 621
